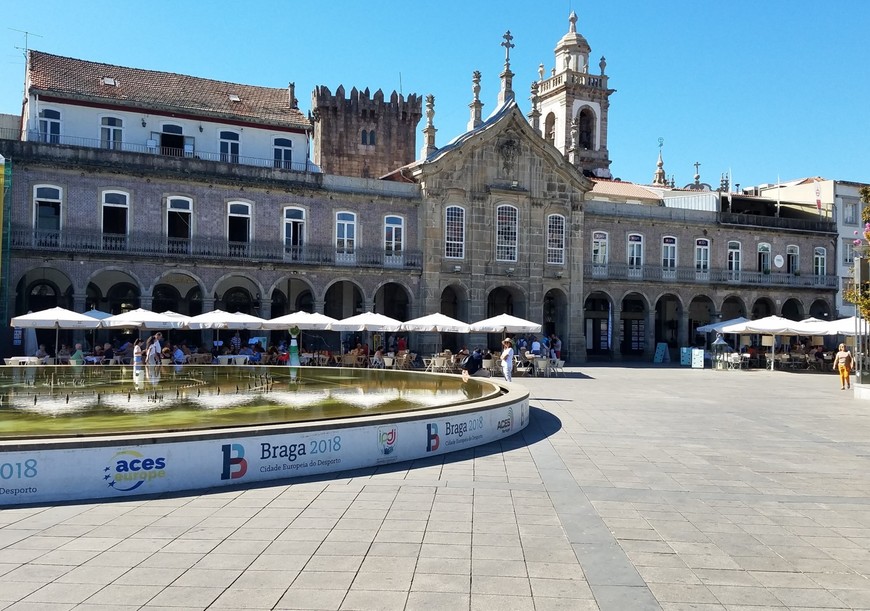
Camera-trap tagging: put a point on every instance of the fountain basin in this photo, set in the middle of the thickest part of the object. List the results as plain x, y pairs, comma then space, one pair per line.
276, 439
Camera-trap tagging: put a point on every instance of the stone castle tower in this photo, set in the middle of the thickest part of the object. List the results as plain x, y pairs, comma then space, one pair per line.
572, 105
361, 135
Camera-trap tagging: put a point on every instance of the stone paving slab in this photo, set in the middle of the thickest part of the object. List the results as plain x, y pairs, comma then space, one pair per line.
633, 488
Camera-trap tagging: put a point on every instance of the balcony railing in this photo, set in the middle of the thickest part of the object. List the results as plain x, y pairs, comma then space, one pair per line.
152, 245
690, 275
152, 148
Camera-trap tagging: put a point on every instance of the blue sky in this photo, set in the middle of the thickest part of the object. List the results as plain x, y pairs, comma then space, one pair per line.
763, 88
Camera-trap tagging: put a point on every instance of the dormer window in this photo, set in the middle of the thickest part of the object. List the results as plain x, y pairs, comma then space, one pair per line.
108, 80
234, 98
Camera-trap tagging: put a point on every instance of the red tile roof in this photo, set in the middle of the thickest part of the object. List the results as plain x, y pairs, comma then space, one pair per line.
80, 80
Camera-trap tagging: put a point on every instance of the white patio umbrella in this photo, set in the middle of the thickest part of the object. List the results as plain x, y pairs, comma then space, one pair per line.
305, 321
218, 319
717, 326
848, 326
436, 323
367, 321
774, 325
55, 318
144, 319
505, 323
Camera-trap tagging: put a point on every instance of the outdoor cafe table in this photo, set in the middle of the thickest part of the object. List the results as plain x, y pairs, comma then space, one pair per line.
22, 360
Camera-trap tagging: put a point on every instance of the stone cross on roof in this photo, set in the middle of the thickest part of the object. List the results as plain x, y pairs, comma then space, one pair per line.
508, 45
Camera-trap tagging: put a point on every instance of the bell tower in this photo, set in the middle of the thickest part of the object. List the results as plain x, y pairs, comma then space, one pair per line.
573, 104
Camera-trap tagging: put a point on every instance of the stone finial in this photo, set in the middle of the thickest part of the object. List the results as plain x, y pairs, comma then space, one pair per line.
429, 131
602, 64
572, 20
541, 72
659, 179
476, 105
535, 114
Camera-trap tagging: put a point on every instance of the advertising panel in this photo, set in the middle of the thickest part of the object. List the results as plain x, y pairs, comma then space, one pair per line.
119, 471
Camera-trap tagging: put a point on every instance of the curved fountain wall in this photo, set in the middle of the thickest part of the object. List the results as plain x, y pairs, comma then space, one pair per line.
113, 467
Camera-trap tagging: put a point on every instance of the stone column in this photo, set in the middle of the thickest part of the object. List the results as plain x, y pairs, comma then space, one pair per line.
649, 349
265, 309
683, 329
616, 334
319, 305
146, 302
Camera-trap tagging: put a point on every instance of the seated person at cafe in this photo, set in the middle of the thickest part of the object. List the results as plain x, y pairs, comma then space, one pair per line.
378, 358
41, 353
246, 351
77, 357
473, 362
63, 354
178, 356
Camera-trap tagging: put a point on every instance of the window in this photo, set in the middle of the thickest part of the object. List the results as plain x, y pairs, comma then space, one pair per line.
345, 235
599, 248
556, 239
820, 261
115, 210
550, 129
47, 203
506, 234
764, 258
850, 210
371, 137
111, 133
635, 252
238, 227
294, 232
734, 260
229, 147
364, 138
178, 224
669, 254
454, 232
393, 230
586, 129
49, 126
283, 150
702, 256
792, 259
848, 250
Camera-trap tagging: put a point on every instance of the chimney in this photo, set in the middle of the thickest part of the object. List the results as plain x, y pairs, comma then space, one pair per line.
291, 94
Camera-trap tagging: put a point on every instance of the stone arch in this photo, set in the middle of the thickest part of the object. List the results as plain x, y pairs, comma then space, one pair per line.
598, 323
631, 330
343, 298
669, 309
762, 307
393, 299
821, 309
793, 309
41, 288
291, 294
586, 128
733, 306
235, 292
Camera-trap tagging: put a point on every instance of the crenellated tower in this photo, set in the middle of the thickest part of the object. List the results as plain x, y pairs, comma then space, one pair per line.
573, 104
363, 135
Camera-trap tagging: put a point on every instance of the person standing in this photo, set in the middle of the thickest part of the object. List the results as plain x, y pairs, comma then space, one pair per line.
507, 359
556, 345
845, 364
236, 343
137, 352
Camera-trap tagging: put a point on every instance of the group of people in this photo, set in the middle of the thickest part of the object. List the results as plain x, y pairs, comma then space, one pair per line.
549, 346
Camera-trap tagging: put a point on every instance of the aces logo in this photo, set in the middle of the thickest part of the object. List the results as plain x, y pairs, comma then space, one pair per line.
130, 469
507, 424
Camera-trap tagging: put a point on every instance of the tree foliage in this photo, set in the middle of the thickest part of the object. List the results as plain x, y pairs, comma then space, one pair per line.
862, 249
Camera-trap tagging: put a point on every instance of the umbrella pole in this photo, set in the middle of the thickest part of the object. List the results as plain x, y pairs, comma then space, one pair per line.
56, 339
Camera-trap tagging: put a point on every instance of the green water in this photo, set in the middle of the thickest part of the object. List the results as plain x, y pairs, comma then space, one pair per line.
62, 401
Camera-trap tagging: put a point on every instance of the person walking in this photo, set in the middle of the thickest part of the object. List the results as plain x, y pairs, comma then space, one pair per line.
845, 364
137, 352
507, 359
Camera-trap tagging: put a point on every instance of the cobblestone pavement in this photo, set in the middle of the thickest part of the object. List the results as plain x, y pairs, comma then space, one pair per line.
632, 488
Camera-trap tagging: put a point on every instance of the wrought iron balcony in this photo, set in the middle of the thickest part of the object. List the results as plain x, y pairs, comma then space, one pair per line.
690, 275
139, 244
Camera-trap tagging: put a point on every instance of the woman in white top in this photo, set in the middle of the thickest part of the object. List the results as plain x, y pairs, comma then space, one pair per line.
137, 352
507, 359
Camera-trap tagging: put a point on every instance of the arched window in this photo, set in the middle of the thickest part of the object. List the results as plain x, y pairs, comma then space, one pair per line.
454, 232
229, 147
792, 259
294, 232
238, 227
550, 129
820, 261
702, 256
599, 248
364, 138
556, 239
393, 235
635, 251
764, 258
506, 233
586, 129
47, 214
283, 153
372, 137
179, 218
669, 257
345, 233
49, 126
115, 212
734, 260
111, 133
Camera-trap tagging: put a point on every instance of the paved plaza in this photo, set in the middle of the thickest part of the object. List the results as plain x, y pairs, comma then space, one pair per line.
632, 488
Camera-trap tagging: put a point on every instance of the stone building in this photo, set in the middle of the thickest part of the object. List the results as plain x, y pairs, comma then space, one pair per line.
123, 198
